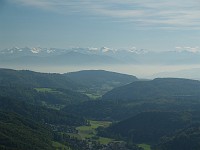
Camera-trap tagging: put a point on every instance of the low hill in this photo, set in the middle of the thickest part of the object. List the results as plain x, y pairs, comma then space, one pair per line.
167, 88
96, 77
100, 80
35, 79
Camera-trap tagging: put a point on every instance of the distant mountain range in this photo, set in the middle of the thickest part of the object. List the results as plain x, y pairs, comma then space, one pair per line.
94, 56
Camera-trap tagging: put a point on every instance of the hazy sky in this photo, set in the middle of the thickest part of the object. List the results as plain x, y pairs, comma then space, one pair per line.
145, 24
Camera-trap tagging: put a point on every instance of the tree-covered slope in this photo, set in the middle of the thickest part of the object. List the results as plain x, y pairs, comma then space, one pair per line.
148, 127
19, 133
100, 80
167, 88
185, 139
35, 79
39, 113
40, 96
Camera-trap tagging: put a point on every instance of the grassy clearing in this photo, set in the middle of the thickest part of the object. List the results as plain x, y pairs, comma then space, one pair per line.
96, 124
103, 140
145, 146
59, 146
43, 89
47, 90
93, 96
89, 132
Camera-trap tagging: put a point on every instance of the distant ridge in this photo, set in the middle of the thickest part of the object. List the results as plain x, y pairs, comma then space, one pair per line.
100, 76
156, 89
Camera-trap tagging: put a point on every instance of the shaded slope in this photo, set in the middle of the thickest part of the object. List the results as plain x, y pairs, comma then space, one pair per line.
149, 127
39, 113
186, 139
18, 133
173, 88
42, 96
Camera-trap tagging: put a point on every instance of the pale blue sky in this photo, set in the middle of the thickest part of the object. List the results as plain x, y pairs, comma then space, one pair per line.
144, 24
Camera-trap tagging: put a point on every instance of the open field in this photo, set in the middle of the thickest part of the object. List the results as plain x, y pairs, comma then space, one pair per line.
44, 89
93, 96
48, 90
145, 146
59, 146
89, 132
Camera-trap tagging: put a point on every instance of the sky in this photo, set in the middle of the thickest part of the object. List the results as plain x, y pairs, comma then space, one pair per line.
145, 24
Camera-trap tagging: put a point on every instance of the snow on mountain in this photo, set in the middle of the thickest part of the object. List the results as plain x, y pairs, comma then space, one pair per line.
35, 51
182, 55
188, 49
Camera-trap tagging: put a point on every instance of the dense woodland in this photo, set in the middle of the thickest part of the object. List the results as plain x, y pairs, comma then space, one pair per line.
42, 111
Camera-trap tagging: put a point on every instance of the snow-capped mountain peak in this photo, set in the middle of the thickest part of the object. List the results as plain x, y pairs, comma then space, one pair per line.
106, 49
137, 51
36, 50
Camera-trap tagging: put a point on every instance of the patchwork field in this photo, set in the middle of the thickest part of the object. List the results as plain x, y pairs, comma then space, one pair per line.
89, 132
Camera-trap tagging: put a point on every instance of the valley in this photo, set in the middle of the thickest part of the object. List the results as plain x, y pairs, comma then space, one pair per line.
97, 109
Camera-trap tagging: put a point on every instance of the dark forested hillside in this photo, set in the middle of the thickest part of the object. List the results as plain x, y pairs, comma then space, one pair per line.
166, 88
19, 133
43, 96
40, 113
149, 127
35, 79
185, 139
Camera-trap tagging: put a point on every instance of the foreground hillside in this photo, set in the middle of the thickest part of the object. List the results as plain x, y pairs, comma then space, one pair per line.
19, 133
186, 139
